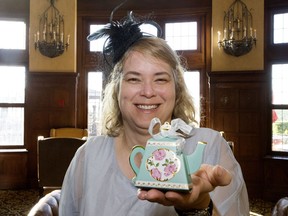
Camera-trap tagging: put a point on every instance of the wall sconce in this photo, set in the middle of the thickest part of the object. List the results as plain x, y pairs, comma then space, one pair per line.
49, 39
238, 33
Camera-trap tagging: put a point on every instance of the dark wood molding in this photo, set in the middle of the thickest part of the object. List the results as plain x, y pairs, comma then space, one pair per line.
90, 7
14, 8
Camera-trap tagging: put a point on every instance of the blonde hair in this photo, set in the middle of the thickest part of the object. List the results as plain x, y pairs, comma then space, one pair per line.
112, 122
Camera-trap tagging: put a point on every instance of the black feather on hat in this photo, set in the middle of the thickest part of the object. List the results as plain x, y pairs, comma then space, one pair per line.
121, 35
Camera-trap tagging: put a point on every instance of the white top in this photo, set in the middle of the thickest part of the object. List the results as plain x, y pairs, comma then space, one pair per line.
94, 184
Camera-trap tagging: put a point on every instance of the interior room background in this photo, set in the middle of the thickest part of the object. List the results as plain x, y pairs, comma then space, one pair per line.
235, 92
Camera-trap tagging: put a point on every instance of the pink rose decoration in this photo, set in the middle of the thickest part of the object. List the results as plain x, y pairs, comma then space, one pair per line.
163, 164
156, 174
159, 154
170, 169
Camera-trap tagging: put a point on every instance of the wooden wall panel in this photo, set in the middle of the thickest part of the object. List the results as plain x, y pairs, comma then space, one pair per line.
227, 121
239, 107
13, 169
276, 178
248, 147
51, 103
236, 102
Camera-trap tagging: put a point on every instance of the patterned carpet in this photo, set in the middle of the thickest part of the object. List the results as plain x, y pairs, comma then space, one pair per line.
19, 202
260, 207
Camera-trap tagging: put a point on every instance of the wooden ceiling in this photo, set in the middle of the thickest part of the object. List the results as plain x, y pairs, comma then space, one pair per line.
20, 7
96, 5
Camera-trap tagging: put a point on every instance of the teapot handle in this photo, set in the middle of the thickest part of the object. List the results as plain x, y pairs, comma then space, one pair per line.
135, 151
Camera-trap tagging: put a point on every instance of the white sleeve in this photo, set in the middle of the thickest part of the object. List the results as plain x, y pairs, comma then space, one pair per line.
233, 198
71, 191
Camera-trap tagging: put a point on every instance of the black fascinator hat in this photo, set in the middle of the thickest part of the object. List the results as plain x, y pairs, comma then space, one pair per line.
121, 35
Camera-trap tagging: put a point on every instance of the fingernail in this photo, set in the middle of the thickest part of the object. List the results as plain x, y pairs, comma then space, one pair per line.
138, 192
141, 195
220, 171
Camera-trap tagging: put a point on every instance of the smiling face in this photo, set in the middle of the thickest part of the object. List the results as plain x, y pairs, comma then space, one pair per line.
147, 90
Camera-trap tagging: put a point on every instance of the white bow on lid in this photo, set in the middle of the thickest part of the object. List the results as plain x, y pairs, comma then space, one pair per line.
167, 130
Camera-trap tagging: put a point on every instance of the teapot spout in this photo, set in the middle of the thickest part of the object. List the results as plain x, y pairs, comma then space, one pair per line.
194, 160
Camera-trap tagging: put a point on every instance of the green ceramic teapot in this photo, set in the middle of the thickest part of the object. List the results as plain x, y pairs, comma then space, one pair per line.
164, 165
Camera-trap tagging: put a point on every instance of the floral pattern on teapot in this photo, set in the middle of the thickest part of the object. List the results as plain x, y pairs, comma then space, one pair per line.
163, 164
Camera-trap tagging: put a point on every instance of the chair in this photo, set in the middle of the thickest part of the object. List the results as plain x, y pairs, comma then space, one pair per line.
230, 143
54, 155
281, 207
69, 132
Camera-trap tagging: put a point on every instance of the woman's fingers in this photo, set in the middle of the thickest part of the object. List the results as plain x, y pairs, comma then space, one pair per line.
204, 181
217, 175
223, 176
154, 195
211, 175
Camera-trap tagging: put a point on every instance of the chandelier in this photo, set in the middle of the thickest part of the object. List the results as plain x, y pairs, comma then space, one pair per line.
239, 37
49, 39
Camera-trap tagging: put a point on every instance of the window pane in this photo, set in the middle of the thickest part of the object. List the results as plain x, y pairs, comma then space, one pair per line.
12, 84
97, 45
280, 116
279, 84
94, 102
149, 29
192, 80
13, 35
182, 36
280, 130
11, 126
280, 31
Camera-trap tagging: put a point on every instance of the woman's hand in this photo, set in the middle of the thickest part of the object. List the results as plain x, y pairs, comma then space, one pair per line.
204, 181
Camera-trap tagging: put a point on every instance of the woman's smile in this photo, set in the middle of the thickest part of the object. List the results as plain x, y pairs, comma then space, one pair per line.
147, 107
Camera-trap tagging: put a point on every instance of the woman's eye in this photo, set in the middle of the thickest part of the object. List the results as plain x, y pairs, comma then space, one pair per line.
161, 80
133, 80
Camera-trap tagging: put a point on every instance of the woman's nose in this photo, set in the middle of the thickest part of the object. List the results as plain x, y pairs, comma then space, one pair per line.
148, 90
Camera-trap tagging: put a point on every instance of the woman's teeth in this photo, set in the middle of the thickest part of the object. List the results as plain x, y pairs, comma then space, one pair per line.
147, 107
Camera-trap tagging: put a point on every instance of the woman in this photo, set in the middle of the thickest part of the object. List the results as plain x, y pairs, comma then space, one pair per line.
147, 82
